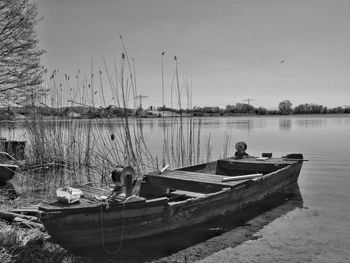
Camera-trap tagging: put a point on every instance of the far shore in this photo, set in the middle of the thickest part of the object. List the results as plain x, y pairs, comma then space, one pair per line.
184, 115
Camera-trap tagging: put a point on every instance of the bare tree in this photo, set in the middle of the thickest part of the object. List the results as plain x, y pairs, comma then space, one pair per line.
21, 73
285, 107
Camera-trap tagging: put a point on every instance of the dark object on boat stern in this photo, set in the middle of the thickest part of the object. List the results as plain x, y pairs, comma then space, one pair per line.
241, 147
267, 155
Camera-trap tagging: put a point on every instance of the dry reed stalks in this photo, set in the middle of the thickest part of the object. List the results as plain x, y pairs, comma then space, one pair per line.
90, 148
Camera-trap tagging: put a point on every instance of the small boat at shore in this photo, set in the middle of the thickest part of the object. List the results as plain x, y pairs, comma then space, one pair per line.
165, 201
8, 167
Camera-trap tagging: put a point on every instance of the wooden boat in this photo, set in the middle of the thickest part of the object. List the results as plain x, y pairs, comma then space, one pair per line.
170, 201
8, 167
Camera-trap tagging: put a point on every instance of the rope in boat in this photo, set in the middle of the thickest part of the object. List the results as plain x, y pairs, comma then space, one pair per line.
111, 253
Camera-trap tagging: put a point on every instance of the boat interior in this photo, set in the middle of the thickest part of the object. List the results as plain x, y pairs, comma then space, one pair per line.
199, 180
190, 182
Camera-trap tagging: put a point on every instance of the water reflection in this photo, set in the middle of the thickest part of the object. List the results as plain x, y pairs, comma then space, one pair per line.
285, 124
239, 227
312, 123
246, 123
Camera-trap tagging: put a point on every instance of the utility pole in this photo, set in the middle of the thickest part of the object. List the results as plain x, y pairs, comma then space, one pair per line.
140, 97
249, 100
163, 80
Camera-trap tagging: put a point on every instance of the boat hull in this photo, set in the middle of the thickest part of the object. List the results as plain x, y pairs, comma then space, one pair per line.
97, 225
7, 171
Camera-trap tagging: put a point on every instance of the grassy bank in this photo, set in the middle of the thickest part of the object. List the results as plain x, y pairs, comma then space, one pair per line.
23, 241
29, 245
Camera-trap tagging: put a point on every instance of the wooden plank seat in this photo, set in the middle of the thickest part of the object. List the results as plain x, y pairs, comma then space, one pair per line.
191, 181
188, 193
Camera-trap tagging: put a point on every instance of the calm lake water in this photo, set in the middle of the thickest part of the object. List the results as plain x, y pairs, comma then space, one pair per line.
318, 230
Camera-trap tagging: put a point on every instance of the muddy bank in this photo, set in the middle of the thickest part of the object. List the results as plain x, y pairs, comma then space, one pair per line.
232, 238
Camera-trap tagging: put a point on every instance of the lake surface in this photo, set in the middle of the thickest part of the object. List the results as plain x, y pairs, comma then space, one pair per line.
316, 231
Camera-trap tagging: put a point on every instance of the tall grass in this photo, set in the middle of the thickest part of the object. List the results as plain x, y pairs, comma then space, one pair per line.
28, 245
94, 146
88, 149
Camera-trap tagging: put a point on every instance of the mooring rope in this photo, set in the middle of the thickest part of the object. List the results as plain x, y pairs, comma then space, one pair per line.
111, 253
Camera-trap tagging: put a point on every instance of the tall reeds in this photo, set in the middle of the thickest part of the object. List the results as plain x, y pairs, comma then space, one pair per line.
88, 149
89, 145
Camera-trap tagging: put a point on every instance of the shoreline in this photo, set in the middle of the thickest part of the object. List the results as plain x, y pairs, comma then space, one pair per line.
55, 118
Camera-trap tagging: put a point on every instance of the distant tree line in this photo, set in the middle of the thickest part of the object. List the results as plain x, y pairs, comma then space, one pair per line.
284, 108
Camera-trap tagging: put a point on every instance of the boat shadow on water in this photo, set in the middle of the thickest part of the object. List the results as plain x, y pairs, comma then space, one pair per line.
195, 243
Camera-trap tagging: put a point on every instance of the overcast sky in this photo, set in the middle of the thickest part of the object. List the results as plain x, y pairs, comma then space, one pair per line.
231, 50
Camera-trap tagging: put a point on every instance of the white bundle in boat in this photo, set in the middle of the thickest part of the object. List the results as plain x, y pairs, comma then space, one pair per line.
68, 195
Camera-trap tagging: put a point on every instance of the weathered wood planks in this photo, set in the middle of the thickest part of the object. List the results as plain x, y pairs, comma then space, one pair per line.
250, 165
190, 181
